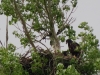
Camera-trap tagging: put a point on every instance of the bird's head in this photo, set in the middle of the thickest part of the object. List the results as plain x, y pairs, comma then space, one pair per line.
69, 41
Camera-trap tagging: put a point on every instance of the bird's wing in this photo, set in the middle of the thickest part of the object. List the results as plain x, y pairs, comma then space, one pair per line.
74, 46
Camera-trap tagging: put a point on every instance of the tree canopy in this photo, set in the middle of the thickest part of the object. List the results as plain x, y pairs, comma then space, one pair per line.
51, 21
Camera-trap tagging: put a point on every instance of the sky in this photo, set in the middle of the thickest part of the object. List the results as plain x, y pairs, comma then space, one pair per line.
87, 10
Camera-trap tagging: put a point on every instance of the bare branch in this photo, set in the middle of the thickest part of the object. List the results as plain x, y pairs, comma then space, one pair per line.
24, 55
18, 28
7, 33
73, 20
28, 25
1, 43
68, 23
43, 45
69, 15
19, 47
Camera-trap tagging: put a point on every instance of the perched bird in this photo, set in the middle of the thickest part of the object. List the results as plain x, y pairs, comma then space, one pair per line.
73, 48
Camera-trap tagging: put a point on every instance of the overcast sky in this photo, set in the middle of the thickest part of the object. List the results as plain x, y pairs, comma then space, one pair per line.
88, 10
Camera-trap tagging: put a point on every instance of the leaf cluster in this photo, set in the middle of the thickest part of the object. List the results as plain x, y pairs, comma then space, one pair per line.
9, 63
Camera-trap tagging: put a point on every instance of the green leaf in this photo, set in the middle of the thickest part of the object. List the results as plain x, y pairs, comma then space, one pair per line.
62, 38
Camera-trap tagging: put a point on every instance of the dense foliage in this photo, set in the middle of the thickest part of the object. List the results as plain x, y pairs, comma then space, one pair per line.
50, 19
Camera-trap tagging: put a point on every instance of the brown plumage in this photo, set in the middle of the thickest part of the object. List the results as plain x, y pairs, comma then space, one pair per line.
72, 48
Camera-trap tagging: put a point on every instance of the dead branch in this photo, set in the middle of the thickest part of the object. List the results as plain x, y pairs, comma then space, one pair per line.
7, 33
69, 15
19, 47
42, 44
67, 23
1, 43
18, 28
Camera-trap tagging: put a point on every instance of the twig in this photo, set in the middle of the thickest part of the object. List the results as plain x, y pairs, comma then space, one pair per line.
28, 25
75, 9
69, 15
73, 21
18, 28
24, 55
42, 44
19, 47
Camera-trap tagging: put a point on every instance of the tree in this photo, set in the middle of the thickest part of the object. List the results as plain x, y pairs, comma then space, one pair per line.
47, 16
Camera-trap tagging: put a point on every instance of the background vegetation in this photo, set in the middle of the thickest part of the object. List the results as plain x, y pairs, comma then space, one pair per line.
51, 19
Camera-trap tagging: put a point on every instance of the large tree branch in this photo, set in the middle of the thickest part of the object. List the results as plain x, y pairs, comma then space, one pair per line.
53, 36
24, 25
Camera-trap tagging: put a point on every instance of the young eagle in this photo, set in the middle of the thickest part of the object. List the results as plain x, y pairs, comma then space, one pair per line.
73, 46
